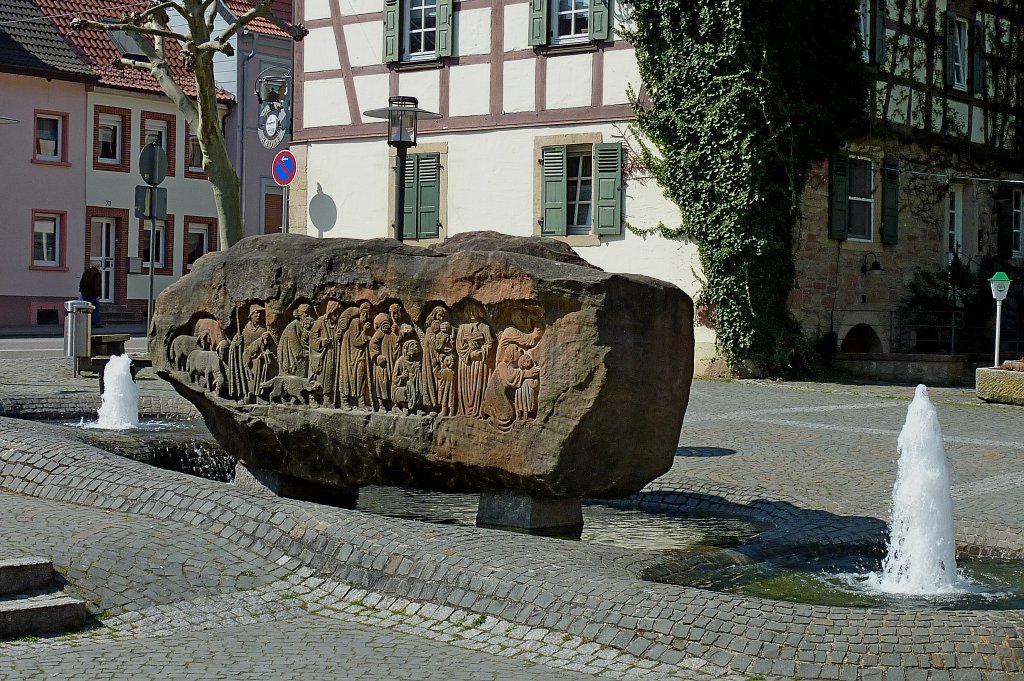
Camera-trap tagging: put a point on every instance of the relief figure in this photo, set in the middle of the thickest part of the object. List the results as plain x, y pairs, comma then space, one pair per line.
445, 373
514, 335
503, 385
431, 360
473, 344
407, 382
251, 357
324, 345
526, 393
382, 359
354, 365
293, 350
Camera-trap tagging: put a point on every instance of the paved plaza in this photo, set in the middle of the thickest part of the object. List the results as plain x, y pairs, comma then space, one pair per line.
190, 578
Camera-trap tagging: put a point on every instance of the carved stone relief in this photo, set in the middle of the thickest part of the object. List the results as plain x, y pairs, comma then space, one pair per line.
353, 356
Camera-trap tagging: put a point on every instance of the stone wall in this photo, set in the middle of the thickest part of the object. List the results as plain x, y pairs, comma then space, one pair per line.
829, 276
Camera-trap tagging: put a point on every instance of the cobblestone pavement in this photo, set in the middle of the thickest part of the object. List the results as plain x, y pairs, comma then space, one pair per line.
195, 579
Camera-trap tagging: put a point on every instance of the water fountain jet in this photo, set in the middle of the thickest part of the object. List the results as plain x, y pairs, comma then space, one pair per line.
120, 407
921, 555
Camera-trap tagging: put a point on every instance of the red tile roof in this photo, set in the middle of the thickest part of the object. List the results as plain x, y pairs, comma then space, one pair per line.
100, 52
282, 9
30, 44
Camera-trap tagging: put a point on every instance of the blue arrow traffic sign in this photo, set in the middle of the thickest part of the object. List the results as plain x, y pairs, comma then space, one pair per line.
284, 168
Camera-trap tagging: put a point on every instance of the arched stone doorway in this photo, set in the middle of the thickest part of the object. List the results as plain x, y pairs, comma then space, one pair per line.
863, 339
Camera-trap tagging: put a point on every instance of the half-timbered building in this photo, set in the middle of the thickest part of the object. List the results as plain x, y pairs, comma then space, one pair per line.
532, 138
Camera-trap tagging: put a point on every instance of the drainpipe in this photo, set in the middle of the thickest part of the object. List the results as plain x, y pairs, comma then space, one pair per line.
243, 94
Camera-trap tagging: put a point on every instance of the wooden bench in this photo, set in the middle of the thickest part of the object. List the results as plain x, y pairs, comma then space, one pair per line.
107, 344
104, 345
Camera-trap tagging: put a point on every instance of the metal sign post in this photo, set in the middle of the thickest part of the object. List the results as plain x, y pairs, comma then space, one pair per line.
153, 168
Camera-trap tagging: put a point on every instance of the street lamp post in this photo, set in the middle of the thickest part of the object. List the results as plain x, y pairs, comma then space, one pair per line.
1000, 284
402, 115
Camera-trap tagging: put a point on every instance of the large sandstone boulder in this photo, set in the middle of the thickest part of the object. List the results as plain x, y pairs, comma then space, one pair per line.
487, 363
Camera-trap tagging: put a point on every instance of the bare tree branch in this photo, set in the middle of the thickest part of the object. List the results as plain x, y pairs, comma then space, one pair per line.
89, 24
209, 11
145, 14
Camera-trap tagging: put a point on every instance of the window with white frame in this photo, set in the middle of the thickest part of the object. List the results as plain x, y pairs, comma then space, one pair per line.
156, 132
420, 35
579, 193
1017, 224
198, 243
570, 20
158, 255
958, 45
49, 138
46, 240
954, 222
418, 30
861, 200
195, 153
110, 139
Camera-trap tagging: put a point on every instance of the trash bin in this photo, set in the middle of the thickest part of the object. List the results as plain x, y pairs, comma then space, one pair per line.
78, 329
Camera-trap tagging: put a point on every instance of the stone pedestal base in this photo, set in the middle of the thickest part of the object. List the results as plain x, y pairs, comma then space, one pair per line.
263, 481
561, 516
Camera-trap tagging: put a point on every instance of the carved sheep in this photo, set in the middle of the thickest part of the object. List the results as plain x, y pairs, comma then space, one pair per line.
181, 348
206, 364
295, 389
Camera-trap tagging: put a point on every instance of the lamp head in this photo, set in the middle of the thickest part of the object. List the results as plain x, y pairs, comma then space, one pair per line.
402, 114
1000, 284
874, 267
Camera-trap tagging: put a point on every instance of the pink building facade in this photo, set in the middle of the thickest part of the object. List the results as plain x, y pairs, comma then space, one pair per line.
42, 197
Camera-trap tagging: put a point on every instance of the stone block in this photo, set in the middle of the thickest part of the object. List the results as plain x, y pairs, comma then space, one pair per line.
1000, 385
486, 363
561, 515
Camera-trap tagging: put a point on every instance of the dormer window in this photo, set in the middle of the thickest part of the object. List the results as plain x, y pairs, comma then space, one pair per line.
127, 44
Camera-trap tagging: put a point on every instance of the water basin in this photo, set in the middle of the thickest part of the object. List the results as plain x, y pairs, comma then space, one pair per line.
850, 581
602, 524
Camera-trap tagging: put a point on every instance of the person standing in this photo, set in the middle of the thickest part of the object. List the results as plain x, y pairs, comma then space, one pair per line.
90, 287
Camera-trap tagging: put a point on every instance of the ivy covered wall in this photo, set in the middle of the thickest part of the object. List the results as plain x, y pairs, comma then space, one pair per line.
739, 97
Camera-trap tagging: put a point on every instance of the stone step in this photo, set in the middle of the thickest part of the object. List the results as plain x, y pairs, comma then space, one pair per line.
22, 574
40, 613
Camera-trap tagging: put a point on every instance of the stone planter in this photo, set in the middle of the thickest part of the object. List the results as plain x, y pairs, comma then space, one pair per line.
1000, 385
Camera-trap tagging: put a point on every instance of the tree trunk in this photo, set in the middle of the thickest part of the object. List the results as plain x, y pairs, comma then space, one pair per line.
216, 162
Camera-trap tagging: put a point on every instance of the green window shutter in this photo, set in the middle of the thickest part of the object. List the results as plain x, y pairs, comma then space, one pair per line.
890, 203
445, 32
839, 197
412, 199
978, 71
539, 22
554, 187
392, 31
428, 189
881, 9
608, 182
950, 48
600, 19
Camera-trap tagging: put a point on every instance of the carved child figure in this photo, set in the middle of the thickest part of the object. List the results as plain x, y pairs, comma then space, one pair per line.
444, 374
526, 393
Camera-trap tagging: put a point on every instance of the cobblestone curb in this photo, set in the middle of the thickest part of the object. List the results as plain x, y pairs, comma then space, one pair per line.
590, 593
